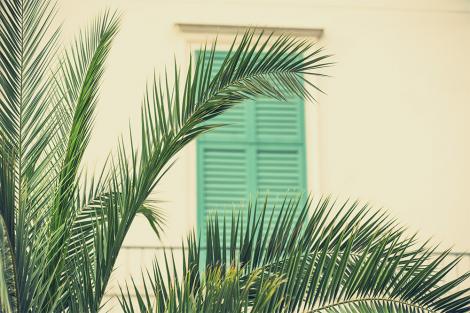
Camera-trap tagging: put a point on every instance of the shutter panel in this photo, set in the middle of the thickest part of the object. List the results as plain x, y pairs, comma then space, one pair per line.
280, 173
280, 154
223, 177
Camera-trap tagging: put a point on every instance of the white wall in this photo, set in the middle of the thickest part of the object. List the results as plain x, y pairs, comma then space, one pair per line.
392, 130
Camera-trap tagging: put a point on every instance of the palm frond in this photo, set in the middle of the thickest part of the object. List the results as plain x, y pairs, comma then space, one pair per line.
81, 71
332, 258
26, 48
229, 291
77, 85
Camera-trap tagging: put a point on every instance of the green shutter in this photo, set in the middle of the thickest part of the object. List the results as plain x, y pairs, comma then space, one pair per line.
261, 152
223, 172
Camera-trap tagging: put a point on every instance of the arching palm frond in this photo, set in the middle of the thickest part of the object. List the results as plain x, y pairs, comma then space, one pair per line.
331, 258
77, 86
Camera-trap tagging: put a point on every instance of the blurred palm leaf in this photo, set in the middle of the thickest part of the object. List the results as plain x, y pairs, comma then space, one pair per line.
333, 258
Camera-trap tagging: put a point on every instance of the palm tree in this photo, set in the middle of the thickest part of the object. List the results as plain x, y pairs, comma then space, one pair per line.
304, 256
61, 229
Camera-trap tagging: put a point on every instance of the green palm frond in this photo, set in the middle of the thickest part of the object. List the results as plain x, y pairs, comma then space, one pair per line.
331, 258
77, 204
229, 291
78, 84
26, 48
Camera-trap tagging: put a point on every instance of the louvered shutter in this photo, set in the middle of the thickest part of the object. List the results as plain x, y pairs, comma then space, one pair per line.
280, 149
223, 184
261, 152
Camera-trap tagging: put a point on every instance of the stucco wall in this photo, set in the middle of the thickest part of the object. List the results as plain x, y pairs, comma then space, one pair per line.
393, 129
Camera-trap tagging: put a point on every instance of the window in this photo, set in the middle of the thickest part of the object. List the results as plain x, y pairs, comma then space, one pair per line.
261, 151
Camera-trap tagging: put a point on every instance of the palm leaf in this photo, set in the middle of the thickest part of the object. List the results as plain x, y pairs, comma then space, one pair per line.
78, 84
331, 258
228, 291
25, 53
